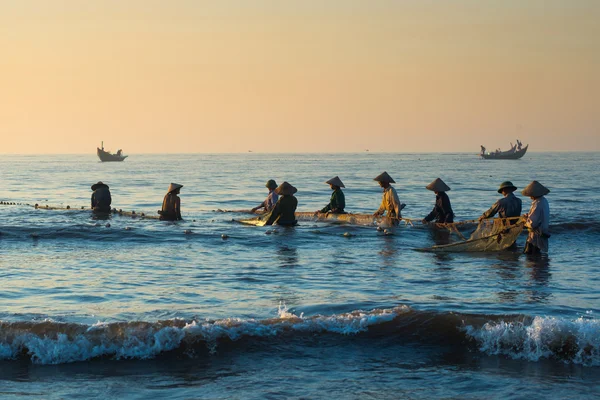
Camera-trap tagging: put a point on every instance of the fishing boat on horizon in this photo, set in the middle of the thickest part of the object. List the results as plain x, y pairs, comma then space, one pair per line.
106, 156
517, 151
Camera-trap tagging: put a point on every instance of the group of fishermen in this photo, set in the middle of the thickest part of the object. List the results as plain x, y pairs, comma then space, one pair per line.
280, 205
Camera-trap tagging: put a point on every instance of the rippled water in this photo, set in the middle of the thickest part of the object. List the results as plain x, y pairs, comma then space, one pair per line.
142, 309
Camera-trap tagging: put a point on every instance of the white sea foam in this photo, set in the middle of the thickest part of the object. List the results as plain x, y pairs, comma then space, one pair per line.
64, 343
576, 341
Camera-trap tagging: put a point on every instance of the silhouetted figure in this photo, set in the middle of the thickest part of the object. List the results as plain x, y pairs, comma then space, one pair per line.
271, 199
337, 203
538, 219
508, 206
442, 211
101, 198
171, 206
284, 211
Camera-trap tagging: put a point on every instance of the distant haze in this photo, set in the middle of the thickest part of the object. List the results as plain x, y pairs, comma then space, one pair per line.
177, 76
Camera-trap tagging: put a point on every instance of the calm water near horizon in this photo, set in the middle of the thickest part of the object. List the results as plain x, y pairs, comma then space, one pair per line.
142, 309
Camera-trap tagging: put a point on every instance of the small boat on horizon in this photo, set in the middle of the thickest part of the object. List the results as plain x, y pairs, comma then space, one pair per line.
106, 156
512, 154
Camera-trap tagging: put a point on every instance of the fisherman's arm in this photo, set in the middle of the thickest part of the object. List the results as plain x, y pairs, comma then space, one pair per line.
534, 218
261, 205
493, 210
274, 214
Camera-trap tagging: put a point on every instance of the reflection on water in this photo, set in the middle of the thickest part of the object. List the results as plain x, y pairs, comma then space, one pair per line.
389, 251
539, 271
288, 256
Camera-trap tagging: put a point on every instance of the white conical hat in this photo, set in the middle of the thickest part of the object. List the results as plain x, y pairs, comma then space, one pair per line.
173, 187
336, 182
384, 177
438, 185
285, 189
535, 189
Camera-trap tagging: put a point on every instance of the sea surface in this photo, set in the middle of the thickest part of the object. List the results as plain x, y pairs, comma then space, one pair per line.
211, 308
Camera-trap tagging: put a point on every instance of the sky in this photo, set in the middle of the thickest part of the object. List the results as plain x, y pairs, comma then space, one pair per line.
193, 76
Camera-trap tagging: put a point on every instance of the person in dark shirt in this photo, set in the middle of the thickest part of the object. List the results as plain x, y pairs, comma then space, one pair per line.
284, 211
101, 198
171, 206
337, 203
442, 211
508, 206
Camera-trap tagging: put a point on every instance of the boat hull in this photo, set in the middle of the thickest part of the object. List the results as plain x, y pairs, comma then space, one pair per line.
105, 156
506, 155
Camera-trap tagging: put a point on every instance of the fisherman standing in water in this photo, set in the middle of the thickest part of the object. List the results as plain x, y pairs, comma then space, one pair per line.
271, 199
337, 203
508, 206
442, 211
171, 206
538, 219
389, 201
284, 211
101, 198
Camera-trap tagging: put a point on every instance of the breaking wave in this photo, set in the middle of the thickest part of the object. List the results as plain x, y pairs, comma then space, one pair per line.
48, 342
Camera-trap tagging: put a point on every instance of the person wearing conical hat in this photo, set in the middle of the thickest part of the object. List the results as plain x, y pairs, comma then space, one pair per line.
101, 198
171, 206
284, 211
389, 202
508, 206
442, 210
538, 219
337, 203
271, 199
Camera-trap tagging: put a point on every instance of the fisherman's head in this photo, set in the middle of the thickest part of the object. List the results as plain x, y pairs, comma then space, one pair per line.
535, 190
384, 180
437, 186
506, 188
335, 183
174, 188
271, 185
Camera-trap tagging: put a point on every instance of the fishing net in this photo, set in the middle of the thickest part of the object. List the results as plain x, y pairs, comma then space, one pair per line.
491, 235
353, 219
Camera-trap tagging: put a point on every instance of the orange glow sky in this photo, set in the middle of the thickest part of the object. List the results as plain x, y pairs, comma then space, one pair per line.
193, 76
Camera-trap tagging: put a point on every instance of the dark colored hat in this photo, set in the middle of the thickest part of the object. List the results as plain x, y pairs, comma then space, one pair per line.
535, 189
438, 185
99, 185
384, 177
507, 185
271, 184
285, 189
336, 181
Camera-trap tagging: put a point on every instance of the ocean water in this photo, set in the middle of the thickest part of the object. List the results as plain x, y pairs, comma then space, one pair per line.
138, 308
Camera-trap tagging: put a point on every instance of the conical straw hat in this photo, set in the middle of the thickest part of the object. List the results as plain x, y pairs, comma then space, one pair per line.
384, 177
506, 185
535, 189
173, 187
438, 185
99, 184
285, 189
336, 182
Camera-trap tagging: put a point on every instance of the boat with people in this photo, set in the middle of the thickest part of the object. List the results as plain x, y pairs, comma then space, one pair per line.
106, 156
516, 151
